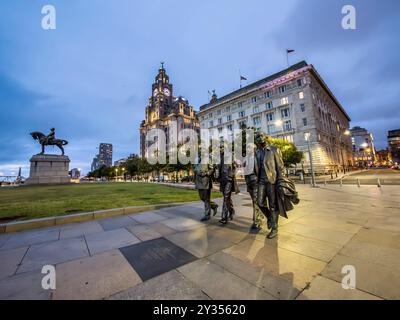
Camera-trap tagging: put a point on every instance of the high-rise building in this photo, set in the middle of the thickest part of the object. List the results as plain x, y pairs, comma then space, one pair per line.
363, 147
104, 157
394, 144
294, 104
163, 110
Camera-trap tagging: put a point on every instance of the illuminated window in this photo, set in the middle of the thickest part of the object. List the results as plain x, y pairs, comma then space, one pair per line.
301, 95
284, 101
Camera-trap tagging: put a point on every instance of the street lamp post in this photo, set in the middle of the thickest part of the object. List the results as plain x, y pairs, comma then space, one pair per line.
307, 138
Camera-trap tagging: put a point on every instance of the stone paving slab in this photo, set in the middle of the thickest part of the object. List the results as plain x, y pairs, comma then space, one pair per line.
154, 257
4, 238
147, 217
79, 229
279, 287
94, 277
52, 253
24, 286
109, 240
376, 279
162, 229
116, 223
323, 234
373, 253
27, 238
144, 232
168, 286
202, 242
294, 267
10, 260
219, 284
326, 289
182, 224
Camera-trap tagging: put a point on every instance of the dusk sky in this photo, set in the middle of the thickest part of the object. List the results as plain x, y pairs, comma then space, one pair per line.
91, 77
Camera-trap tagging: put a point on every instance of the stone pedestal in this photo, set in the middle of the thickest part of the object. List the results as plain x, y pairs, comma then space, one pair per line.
49, 169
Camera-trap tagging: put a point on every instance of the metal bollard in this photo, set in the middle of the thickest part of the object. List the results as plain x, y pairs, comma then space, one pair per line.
379, 183
358, 182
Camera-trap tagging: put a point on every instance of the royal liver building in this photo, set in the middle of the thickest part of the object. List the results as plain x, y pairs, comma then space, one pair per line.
164, 109
294, 104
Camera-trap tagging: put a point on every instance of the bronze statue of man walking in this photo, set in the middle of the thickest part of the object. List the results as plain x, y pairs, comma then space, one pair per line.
204, 174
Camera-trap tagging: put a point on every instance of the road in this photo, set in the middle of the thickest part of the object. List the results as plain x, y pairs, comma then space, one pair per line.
370, 177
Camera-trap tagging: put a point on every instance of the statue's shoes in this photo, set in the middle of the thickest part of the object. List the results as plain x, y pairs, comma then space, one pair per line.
205, 218
215, 210
255, 226
272, 234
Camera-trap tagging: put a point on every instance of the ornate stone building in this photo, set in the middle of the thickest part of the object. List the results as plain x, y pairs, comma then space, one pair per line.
163, 109
292, 104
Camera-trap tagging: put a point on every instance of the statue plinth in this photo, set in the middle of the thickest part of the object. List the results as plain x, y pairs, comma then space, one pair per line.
49, 169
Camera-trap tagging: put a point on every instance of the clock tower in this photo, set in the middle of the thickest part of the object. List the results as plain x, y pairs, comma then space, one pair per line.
163, 108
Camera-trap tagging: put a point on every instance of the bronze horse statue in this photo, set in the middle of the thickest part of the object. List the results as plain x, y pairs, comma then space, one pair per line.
44, 141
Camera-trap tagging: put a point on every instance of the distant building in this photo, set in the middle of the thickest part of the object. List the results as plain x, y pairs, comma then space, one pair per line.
292, 104
120, 162
75, 173
394, 144
162, 110
363, 147
104, 158
383, 157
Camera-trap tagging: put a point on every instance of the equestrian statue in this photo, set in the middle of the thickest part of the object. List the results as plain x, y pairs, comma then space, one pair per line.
49, 140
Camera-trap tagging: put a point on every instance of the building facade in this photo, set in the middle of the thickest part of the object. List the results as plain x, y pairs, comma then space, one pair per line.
363, 147
394, 144
104, 157
291, 104
166, 112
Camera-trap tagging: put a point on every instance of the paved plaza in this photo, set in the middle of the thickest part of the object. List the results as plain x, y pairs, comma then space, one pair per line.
170, 254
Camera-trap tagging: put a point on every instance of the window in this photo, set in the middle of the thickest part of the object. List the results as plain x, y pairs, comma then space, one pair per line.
241, 114
301, 95
210, 115
254, 99
211, 123
302, 107
228, 109
304, 121
256, 109
284, 101
229, 127
270, 116
219, 120
202, 118
219, 112
267, 94
219, 130
285, 113
271, 128
229, 117
282, 89
287, 125
299, 82
240, 104
257, 121
269, 105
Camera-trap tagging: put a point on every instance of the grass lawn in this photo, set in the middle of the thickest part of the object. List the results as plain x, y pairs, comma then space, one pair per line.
29, 202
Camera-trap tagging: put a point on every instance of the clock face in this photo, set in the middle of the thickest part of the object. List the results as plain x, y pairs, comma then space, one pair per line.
166, 92
155, 92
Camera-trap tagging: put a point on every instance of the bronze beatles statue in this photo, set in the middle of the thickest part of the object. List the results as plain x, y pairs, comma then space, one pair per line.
49, 140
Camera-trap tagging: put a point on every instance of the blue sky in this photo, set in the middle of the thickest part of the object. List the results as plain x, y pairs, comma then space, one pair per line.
91, 77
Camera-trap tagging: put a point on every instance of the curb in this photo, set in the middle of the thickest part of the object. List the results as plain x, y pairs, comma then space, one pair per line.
80, 217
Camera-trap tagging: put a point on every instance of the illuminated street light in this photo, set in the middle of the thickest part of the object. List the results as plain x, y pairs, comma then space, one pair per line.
347, 132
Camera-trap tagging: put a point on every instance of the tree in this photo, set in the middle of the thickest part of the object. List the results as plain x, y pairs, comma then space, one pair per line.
290, 154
